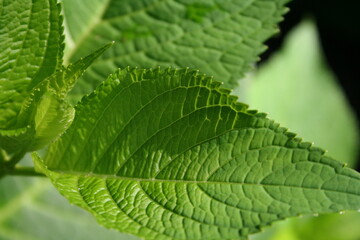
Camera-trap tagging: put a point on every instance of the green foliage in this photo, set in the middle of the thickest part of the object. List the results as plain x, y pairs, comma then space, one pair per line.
183, 152
30, 51
221, 38
162, 154
33, 82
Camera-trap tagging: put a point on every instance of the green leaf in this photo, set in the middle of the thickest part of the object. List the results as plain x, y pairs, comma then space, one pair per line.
33, 82
45, 116
31, 47
168, 154
64, 80
305, 95
31, 209
222, 38
319, 111
45, 113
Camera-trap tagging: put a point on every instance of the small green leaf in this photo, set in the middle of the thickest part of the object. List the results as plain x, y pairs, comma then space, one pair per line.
33, 82
48, 117
168, 154
64, 80
222, 38
45, 113
53, 116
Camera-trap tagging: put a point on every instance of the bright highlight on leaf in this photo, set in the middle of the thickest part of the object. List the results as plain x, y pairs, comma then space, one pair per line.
168, 154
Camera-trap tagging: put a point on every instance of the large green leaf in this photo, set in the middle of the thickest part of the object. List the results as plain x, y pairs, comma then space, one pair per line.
167, 154
318, 110
220, 37
31, 46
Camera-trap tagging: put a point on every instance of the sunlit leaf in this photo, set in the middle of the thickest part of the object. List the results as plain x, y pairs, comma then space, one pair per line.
168, 154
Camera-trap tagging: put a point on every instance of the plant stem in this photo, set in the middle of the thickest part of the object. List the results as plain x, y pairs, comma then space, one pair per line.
24, 171
8, 166
3, 156
14, 160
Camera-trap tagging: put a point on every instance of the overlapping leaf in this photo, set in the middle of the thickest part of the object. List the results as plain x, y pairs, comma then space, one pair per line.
31, 47
33, 82
45, 113
220, 37
167, 154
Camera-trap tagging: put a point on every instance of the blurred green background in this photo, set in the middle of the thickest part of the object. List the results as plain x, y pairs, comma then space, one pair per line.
339, 35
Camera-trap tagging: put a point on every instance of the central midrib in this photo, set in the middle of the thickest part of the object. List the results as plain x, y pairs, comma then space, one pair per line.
156, 180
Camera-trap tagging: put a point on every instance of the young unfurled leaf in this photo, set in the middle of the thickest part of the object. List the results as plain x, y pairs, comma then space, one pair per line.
49, 117
45, 113
64, 80
168, 154
33, 82
222, 38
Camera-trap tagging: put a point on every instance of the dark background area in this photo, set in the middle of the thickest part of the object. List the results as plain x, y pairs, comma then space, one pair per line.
338, 24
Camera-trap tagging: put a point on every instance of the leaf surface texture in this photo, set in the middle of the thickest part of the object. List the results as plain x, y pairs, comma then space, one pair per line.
168, 154
221, 38
31, 47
